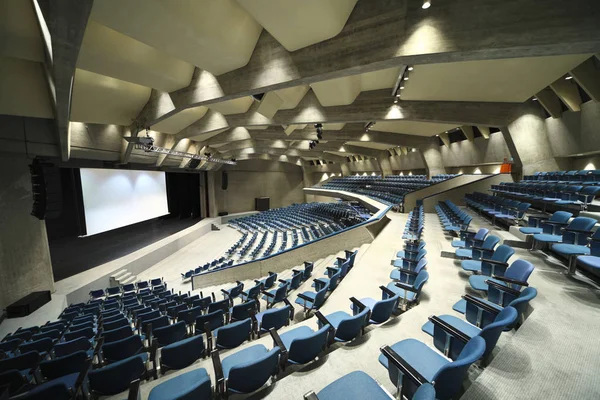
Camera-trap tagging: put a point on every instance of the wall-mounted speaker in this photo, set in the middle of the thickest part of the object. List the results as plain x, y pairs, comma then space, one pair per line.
193, 163
46, 189
224, 180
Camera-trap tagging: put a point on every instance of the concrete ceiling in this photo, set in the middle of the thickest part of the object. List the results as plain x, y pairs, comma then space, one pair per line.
19, 34
181, 120
412, 127
508, 80
371, 145
23, 89
234, 106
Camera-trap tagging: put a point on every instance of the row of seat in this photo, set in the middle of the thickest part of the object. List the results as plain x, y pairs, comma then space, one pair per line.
119, 290
497, 209
565, 176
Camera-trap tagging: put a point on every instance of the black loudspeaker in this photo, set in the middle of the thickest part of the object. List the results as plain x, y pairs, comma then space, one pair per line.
224, 180
193, 163
28, 304
46, 189
262, 203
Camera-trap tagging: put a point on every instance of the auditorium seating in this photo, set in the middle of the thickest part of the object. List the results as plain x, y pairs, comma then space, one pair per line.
389, 190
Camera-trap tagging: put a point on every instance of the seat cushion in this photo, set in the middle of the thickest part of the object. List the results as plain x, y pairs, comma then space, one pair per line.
460, 324
571, 249
409, 296
464, 253
191, 385
356, 385
478, 282
420, 356
247, 355
337, 317
471, 265
544, 237
458, 243
530, 231
297, 333
461, 305
589, 261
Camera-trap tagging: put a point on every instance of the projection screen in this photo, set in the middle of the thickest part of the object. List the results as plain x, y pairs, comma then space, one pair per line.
117, 198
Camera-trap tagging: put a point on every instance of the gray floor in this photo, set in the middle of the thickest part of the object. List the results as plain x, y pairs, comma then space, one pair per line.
553, 355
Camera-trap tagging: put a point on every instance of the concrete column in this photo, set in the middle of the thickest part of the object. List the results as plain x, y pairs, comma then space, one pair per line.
307, 177
345, 169
527, 140
384, 164
212, 198
25, 264
432, 157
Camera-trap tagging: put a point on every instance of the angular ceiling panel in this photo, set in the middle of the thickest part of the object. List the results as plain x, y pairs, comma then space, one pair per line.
371, 145
181, 120
504, 80
337, 92
412, 127
205, 136
23, 89
292, 96
234, 106
382, 79
217, 36
297, 25
20, 35
104, 100
108, 52
333, 127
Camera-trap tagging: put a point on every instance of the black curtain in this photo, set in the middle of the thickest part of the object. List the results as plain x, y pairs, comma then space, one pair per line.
183, 194
71, 222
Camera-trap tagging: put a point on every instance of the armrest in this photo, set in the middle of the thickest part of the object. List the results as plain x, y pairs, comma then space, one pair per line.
97, 351
407, 271
478, 248
340, 260
502, 287
480, 304
208, 333
322, 319
292, 309
279, 343
487, 260
358, 304
219, 376
134, 390
387, 291
451, 330
225, 292
577, 231
305, 298
282, 281
508, 280
404, 367
257, 282
408, 260
271, 273
332, 270
411, 251
267, 293
406, 287
296, 271
556, 223
319, 283
311, 396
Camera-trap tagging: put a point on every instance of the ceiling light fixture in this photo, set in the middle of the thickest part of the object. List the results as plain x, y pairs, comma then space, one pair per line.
406, 78
569, 77
395, 101
410, 68
426, 4
535, 99
401, 87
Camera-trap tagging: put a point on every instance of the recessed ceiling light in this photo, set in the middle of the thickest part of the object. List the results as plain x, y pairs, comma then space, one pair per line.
395, 101
401, 87
398, 95
569, 77
406, 78
410, 68
426, 4
534, 99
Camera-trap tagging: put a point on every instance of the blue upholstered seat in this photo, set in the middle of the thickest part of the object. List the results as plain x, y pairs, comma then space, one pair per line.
273, 318
233, 335
403, 275
381, 310
518, 270
55, 390
434, 367
170, 334
476, 240
490, 333
191, 385
303, 344
486, 249
180, 354
249, 369
501, 255
347, 327
115, 378
123, 348
592, 262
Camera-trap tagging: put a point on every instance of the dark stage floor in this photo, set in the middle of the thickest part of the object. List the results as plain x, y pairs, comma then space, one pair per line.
73, 255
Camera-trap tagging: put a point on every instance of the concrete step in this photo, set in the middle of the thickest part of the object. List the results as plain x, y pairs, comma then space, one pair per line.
114, 278
123, 277
130, 279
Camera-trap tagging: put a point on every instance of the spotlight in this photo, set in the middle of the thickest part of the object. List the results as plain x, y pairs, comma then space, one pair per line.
406, 78
396, 101
568, 78
401, 87
319, 134
318, 126
426, 4
535, 99
410, 68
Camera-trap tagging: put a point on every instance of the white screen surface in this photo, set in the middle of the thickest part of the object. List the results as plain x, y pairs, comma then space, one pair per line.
116, 198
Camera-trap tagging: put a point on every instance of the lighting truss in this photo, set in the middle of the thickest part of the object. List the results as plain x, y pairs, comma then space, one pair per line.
149, 148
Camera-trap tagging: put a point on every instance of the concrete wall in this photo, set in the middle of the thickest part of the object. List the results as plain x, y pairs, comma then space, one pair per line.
411, 162
282, 182
476, 153
457, 194
25, 264
575, 132
410, 200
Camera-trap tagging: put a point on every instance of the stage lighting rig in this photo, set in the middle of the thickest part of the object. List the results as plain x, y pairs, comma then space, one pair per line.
319, 128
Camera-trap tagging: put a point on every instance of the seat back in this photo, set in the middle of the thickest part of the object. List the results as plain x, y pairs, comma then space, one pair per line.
12, 380
170, 334
595, 244
122, 349
320, 296
521, 302
41, 345
182, 353
232, 335
481, 234
69, 347
306, 349
251, 376
449, 378
189, 315
10, 345
243, 311
219, 305
420, 280
578, 224
280, 294
491, 333
296, 280
559, 216
116, 324
87, 333
519, 270
117, 334
215, 320
61, 366
26, 360
383, 309
270, 280
254, 291
334, 280
115, 378
488, 248
275, 318
308, 269
502, 254
350, 328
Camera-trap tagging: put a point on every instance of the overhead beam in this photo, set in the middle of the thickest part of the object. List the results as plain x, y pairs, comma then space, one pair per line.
485, 131
405, 36
587, 75
567, 91
467, 130
445, 138
550, 101
65, 22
